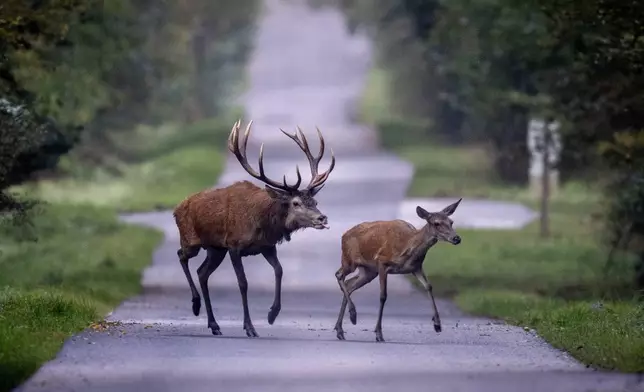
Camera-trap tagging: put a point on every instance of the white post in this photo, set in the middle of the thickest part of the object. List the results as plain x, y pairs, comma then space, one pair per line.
536, 138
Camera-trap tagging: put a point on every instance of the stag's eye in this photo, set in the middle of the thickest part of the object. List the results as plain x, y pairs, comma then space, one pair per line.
437, 224
296, 203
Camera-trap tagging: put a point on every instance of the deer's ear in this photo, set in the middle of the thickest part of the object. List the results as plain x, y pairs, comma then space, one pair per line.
449, 210
275, 193
422, 213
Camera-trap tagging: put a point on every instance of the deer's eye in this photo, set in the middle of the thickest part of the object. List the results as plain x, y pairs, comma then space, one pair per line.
437, 224
296, 203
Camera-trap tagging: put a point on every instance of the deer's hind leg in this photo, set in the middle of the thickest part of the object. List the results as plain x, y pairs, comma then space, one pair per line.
365, 275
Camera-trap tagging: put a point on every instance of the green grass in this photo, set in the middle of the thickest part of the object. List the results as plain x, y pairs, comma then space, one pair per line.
158, 167
515, 275
159, 183
610, 336
83, 263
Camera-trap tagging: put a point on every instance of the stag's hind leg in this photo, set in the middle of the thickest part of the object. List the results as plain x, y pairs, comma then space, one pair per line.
213, 260
185, 254
365, 275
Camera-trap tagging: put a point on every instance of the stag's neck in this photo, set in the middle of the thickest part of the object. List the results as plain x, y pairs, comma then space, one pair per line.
276, 227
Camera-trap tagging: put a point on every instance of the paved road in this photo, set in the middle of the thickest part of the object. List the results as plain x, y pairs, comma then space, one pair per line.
306, 70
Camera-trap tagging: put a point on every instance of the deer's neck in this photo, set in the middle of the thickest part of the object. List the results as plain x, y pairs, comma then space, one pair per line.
417, 248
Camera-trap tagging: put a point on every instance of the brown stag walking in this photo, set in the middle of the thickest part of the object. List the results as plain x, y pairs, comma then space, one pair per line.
381, 248
243, 219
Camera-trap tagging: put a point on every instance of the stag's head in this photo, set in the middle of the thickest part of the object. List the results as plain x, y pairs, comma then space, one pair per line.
440, 223
300, 204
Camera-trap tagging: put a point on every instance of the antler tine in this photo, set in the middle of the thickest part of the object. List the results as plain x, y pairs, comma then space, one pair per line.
319, 180
300, 139
240, 154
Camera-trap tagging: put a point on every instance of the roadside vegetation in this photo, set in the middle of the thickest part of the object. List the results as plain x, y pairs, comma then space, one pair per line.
464, 128
103, 109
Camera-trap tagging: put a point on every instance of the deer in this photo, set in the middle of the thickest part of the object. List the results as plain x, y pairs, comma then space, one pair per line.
243, 219
393, 247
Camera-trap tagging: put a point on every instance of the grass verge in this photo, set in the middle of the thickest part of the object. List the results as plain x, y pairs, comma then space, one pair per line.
83, 263
550, 285
603, 335
155, 169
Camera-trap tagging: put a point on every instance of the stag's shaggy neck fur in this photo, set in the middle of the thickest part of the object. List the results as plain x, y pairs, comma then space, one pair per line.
274, 228
277, 226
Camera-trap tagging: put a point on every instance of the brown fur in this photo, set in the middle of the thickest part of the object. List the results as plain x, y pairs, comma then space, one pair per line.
381, 248
243, 219
240, 216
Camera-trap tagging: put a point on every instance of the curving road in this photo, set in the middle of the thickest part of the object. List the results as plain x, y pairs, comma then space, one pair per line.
307, 70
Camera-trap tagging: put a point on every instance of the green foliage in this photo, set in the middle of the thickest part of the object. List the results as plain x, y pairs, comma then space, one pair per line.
625, 155
90, 70
568, 265
604, 335
157, 168
83, 263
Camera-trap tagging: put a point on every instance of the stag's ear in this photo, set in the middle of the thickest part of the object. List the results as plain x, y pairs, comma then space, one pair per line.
449, 210
275, 193
422, 213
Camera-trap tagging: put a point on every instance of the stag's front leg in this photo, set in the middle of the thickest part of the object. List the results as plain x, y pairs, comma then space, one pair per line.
420, 275
243, 289
213, 260
270, 255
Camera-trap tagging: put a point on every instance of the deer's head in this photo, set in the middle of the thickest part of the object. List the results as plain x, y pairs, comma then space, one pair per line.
440, 223
300, 205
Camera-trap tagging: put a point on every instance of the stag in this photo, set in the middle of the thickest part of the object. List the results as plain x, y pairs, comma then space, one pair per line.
244, 219
381, 248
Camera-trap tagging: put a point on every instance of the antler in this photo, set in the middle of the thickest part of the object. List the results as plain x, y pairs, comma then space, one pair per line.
317, 180
233, 146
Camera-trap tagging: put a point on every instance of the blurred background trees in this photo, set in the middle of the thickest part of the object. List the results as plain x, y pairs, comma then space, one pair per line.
461, 72
76, 75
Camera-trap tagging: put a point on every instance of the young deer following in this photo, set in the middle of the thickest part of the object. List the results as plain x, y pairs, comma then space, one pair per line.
394, 247
243, 219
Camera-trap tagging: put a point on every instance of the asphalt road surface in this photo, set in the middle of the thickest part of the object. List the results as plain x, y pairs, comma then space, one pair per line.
307, 70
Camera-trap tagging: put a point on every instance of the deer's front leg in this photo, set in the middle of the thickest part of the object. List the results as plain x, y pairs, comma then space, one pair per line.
420, 275
382, 274
270, 255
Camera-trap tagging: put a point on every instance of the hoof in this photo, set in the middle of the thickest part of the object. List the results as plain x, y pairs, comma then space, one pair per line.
353, 315
339, 333
273, 313
216, 331
437, 324
379, 337
250, 332
196, 306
